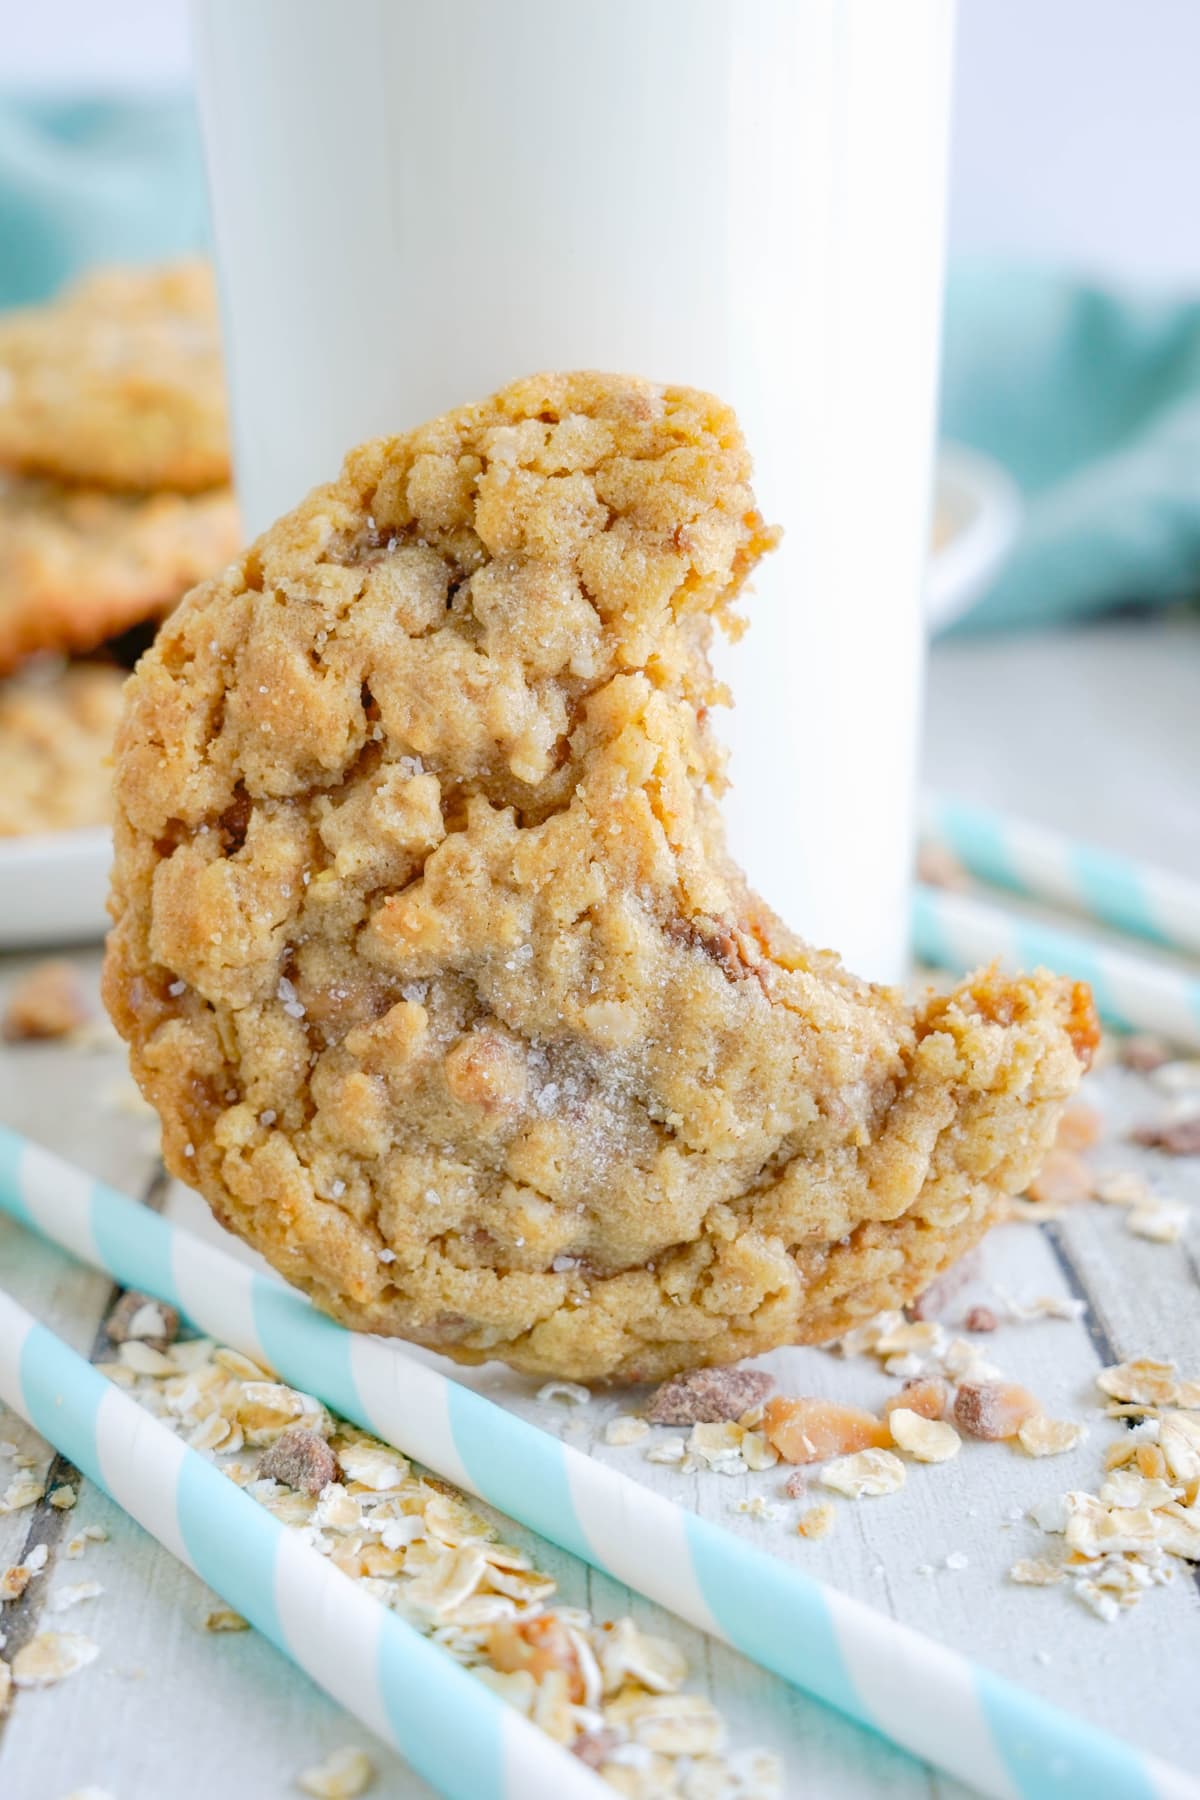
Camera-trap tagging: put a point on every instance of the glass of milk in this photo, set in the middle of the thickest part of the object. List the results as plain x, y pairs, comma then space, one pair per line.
417, 201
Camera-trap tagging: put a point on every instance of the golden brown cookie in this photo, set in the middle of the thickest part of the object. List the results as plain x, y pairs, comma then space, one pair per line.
431, 955
118, 383
78, 565
56, 733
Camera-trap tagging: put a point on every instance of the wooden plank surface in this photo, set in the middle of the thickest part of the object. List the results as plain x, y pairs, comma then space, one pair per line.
170, 1708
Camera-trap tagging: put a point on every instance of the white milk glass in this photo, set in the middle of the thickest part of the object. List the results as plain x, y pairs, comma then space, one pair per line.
416, 201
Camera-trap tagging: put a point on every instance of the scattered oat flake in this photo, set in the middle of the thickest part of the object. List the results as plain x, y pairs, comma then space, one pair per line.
144, 1359
570, 1393
51, 1656
138, 1315
928, 1440
23, 1490
223, 1618
865, 1474
1144, 1379
1037, 1571
626, 1428
758, 1452
956, 1560
91, 1534
1040, 1436
1122, 1187
667, 1450
15, 1580
63, 1498
74, 1594
345, 1774
817, 1521
1160, 1221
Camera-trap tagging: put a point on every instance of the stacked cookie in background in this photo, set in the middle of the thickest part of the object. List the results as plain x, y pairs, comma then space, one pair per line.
114, 500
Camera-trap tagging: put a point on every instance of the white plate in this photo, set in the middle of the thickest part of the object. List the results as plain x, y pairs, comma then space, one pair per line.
53, 888
977, 513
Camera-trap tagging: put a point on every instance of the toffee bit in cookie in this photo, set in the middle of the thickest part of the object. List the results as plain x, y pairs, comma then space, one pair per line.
993, 1409
808, 1431
48, 1002
301, 1460
708, 1396
1177, 1137
487, 733
141, 1317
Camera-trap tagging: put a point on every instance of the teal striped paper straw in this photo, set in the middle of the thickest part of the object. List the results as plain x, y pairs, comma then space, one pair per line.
917, 1693
452, 1729
1132, 991
1136, 898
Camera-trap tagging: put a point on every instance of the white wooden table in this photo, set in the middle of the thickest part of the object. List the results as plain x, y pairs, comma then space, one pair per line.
1098, 733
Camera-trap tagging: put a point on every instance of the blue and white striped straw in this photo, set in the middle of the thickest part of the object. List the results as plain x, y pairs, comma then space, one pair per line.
1133, 991
928, 1699
451, 1728
1138, 899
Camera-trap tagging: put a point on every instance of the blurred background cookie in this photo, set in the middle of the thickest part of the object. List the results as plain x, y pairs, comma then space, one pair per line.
114, 501
118, 382
56, 732
78, 564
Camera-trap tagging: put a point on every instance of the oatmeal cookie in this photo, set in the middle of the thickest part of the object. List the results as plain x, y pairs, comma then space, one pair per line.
78, 565
56, 733
434, 963
118, 382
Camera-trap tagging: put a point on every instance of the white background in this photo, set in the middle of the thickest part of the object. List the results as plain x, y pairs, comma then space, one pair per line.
1077, 125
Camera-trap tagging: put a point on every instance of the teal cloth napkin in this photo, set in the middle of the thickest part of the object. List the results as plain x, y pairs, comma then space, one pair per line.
1090, 398
88, 180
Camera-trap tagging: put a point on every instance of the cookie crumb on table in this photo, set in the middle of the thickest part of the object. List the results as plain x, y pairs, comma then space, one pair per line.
48, 1001
344, 1775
